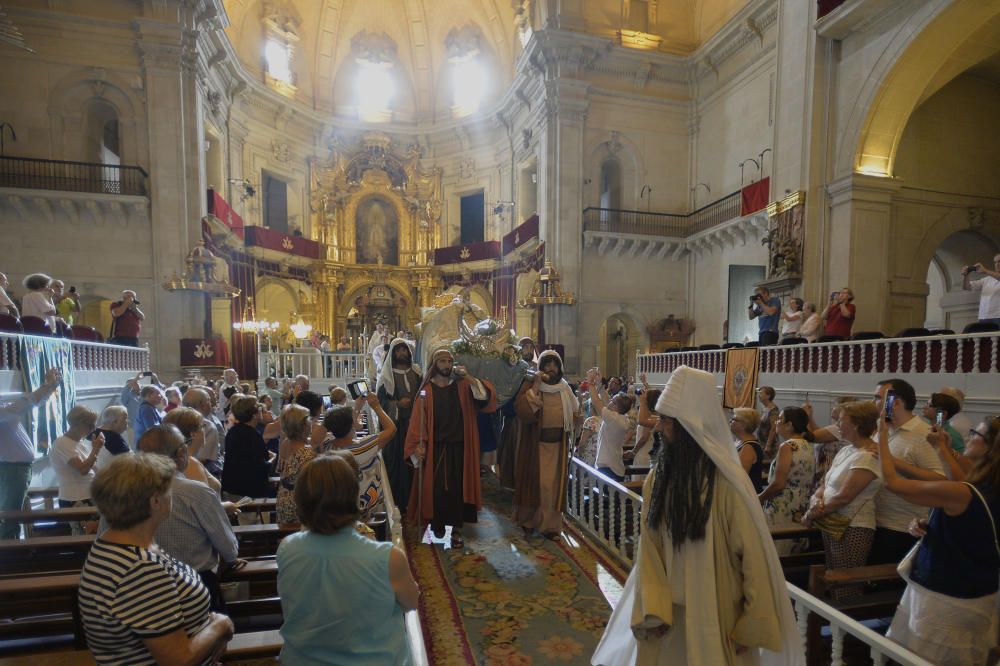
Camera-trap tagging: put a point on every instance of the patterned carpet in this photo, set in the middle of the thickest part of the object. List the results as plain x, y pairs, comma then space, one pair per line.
507, 600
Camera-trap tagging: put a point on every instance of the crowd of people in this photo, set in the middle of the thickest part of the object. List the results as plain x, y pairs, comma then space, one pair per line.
168, 468
802, 319
48, 300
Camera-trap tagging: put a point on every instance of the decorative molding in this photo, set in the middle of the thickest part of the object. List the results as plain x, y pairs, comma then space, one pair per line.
48, 206
794, 199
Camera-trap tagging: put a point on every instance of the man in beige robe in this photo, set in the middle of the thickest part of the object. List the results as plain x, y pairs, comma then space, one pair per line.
707, 588
546, 411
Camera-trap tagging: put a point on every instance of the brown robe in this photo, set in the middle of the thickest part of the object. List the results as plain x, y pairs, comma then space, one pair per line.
423, 409
527, 492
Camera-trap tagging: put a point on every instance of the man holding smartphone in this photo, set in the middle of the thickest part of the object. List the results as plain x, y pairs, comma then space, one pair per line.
127, 319
988, 286
839, 315
907, 442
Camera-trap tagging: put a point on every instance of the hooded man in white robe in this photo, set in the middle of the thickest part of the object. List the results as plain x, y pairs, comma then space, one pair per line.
706, 588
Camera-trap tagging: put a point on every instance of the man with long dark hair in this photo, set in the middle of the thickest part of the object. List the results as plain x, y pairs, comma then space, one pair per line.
707, 587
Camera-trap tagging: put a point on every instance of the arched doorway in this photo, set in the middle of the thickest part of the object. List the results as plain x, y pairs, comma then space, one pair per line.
948, 305
618, 342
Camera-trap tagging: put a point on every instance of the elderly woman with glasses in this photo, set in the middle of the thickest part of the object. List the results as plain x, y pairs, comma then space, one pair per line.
948, 612
189, 422
342, 595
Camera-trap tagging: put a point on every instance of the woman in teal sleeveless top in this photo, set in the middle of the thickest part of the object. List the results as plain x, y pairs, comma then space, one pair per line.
342, 595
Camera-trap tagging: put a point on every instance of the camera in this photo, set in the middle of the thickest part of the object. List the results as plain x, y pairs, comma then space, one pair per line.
755, 298
358, 389
135, 301
72, 290
970, 269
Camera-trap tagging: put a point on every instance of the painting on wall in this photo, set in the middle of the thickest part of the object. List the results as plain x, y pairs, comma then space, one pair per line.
377, 232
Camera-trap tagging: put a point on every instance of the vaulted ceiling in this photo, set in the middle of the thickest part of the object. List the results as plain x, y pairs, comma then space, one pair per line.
326, 31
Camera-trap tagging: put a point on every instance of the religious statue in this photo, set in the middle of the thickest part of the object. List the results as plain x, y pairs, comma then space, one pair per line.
377, 229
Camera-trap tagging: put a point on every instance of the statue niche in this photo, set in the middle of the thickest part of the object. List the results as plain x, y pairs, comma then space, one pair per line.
377, 232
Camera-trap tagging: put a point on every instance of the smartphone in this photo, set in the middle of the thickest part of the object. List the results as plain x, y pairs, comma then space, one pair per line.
148, 373
890, 401
358, 389
939, 420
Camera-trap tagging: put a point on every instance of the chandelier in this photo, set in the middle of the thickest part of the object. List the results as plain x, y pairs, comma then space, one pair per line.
250, 324
301, 330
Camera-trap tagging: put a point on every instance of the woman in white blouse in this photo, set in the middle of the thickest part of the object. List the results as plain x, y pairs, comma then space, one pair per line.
812, 325
38, 301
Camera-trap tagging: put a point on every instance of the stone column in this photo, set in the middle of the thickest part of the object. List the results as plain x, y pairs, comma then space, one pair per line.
171, 110
561, 197
860, 241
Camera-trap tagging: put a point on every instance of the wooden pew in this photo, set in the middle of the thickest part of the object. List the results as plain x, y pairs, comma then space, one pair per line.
81, 513
870, 605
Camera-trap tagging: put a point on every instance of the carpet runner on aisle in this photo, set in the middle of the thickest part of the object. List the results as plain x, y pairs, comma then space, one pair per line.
503, 599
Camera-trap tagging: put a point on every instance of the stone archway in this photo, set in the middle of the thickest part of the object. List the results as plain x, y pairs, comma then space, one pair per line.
619, 339
937, 41
948, 306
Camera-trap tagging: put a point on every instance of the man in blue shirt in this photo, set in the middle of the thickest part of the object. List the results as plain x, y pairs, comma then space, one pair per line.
766, 309
150, 411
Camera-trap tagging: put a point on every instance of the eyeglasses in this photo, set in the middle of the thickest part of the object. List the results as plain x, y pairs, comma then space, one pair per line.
975, 433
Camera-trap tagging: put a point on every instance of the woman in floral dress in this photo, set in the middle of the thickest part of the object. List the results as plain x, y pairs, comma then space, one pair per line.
295, 453
790, 479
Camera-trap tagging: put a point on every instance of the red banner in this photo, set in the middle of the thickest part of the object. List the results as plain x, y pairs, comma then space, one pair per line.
204, 353
275, 240
755, 196
521, 234
218, 208
467, 252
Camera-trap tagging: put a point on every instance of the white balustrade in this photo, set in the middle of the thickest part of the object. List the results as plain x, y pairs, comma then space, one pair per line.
610, 514
334, 367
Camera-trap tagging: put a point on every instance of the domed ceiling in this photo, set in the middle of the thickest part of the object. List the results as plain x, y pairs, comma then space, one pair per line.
417, 40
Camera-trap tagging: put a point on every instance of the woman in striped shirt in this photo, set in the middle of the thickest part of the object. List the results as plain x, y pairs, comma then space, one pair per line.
138, 604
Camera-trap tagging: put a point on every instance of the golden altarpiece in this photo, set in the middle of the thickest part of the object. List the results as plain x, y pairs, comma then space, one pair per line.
377, 212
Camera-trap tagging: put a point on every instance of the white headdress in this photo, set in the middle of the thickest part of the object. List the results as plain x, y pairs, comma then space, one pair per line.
387, 375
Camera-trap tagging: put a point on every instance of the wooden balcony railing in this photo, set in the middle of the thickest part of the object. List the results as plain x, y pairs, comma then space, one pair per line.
39, 174
643, 223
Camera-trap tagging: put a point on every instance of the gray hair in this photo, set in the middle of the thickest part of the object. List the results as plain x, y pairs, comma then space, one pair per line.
111, 414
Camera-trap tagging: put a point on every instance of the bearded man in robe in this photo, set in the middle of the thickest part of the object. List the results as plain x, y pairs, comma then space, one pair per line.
546, 410
396, 388
528, 352
445, 439
706, 588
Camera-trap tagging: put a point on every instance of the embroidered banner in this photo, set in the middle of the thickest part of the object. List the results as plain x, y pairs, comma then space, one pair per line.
468, 252
754, 196
275, 240
742, 368
204, 353
521, 234
38, 354
218, 208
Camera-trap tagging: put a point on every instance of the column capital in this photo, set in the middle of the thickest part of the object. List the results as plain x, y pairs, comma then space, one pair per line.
863, 187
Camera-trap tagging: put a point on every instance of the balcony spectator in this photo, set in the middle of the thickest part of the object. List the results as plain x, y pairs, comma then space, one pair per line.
811, 323
989, 288
948, 406
907, 441
38, 301
766, 432
766, 309
16, 450
67, 303
113, 423
6, 303
948, 612
73, 457
342, 595
138, 604
150, 412
790, 479
126, 324
839, 315
743, 425
843, 506
793, 318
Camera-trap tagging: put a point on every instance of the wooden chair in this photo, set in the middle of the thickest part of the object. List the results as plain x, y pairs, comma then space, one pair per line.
10, 324
36, 326
86, 333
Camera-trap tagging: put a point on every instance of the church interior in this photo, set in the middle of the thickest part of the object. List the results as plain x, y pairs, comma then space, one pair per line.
277, 182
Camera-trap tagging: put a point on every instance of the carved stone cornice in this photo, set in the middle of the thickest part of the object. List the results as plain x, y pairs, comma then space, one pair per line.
48, 206
160, 45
